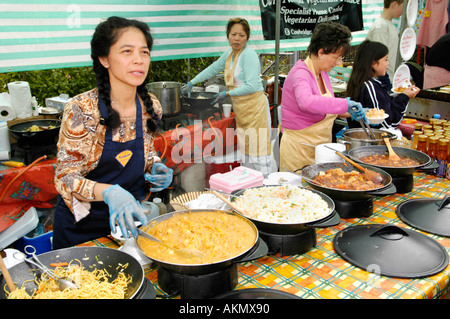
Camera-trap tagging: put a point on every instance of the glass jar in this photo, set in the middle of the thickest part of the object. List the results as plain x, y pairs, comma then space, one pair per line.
428, 140
418, 127
433, 147
415, 139
422, 144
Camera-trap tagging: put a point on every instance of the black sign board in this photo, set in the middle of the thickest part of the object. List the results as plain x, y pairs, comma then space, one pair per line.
299, 17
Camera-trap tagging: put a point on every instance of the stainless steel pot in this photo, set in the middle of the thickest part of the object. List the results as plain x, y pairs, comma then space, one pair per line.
357, 137
168, 94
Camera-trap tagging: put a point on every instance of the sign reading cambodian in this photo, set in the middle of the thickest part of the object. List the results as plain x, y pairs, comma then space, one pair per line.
299, 17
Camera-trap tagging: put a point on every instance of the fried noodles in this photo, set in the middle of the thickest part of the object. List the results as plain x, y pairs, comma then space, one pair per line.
92, 285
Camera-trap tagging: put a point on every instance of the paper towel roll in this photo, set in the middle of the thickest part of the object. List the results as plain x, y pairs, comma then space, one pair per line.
20, 94
5, 155
7, 112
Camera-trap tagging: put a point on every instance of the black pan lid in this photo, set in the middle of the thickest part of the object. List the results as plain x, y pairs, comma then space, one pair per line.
391, 251
428, 214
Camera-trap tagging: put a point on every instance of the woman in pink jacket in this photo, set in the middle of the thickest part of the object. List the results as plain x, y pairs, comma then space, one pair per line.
308, 107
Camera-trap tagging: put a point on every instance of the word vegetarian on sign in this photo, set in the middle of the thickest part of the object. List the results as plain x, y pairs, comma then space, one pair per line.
298, 18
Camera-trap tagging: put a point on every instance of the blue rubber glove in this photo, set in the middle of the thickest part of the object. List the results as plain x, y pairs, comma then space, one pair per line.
186, 89
219, 97
123, 207
356, 111
161, 177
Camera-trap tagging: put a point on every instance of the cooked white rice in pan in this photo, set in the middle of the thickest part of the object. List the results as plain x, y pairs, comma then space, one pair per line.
286, 204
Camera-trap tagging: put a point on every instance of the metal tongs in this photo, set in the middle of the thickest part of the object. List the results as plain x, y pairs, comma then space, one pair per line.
366, 128
63, 283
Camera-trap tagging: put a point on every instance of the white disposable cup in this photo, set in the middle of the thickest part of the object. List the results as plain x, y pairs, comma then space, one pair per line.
226, 110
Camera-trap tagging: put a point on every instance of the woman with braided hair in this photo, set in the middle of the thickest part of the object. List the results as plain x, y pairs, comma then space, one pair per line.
105, 148
309, 107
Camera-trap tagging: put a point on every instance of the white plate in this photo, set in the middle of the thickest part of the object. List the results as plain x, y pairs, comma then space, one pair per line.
377, 120
408, 44
411, 12
281, 178
43, 110
401, 77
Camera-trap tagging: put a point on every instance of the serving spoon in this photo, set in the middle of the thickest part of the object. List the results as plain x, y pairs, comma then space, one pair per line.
187, 253
368, 174
392, 155
63, 282
227, 201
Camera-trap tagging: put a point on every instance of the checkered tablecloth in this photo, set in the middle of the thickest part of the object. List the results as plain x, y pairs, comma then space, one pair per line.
322, 273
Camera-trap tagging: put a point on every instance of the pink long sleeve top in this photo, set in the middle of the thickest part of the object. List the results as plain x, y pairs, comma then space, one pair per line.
302, 103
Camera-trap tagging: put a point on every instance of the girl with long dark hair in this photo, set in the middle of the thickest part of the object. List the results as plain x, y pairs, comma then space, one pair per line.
371, 62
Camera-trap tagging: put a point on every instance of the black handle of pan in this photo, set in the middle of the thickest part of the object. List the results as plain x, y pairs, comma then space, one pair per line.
259, 252
332, 220
429, 166
389, 190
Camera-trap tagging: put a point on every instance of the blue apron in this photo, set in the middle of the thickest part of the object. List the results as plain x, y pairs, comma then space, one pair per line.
120, 163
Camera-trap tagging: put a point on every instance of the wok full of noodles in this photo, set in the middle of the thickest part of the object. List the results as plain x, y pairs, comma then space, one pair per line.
100, 273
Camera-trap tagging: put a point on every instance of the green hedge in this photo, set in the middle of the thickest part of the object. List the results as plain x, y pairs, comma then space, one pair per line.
72, 81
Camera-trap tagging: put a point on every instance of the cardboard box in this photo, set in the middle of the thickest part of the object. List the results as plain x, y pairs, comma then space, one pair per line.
57, 102
341, 73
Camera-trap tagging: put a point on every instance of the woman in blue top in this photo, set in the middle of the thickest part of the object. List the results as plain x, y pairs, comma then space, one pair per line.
364, 86
242, 71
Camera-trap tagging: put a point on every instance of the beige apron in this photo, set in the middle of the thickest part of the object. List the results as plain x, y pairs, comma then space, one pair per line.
250, 111
293, 154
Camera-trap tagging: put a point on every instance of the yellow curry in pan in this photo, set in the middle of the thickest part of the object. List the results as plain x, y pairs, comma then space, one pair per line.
219, 236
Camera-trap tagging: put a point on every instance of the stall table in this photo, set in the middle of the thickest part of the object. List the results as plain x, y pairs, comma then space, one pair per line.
322, 273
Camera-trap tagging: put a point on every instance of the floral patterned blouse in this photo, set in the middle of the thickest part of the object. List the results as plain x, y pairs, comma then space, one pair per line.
80, 146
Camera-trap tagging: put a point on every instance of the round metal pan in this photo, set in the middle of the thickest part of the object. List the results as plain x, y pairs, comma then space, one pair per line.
331, 219
109, 259
198, 269
199, 101
310, 172
21, 132
424, 160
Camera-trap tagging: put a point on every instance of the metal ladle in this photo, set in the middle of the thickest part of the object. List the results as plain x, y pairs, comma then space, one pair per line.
187, 253
63, 282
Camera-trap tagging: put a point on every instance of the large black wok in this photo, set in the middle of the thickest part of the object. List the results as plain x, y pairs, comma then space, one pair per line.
199, 101
21, 131
259, 249
424, 160
310, 172
331, 219
99, 257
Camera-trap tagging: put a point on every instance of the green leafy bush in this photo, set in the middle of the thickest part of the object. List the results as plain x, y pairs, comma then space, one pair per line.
73, 81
